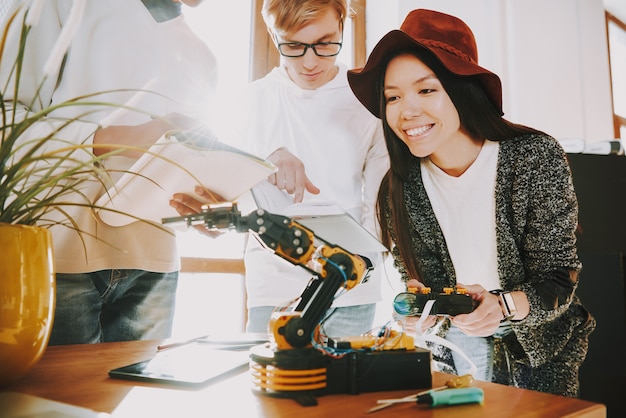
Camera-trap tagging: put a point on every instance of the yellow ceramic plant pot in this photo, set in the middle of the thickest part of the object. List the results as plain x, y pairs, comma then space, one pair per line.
27, 298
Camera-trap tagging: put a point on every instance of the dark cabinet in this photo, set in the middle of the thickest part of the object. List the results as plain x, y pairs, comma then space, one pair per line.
600, 182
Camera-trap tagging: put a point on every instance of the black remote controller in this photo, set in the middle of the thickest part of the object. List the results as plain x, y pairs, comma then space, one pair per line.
449, 302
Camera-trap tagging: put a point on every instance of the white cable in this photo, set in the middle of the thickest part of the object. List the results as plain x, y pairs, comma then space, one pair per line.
422, 339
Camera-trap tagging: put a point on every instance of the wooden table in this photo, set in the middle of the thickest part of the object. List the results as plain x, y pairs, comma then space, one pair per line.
77, 374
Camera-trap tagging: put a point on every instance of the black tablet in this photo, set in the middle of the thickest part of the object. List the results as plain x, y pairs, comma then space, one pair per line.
191, 364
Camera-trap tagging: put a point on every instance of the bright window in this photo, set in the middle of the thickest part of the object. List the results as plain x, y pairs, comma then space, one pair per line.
214, 302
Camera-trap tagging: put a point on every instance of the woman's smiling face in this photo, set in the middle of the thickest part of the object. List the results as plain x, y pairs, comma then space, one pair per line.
418, 109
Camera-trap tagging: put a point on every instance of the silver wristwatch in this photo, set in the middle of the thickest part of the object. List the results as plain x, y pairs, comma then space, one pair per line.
506, 303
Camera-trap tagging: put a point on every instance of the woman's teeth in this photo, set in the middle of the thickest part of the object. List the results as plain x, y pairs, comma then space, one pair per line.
418, 131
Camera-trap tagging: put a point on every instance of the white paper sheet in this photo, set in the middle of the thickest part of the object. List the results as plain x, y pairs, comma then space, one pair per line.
146, 189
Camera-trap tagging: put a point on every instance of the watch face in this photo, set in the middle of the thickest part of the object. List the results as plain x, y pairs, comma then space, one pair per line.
509, 303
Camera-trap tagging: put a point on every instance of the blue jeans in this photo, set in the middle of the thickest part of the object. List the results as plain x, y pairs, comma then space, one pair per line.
480, 351
113, 305
343, 321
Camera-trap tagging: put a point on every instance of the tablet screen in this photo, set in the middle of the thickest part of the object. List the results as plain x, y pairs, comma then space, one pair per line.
191, 364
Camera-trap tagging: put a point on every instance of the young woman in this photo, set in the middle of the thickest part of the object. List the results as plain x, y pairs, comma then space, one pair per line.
475, 201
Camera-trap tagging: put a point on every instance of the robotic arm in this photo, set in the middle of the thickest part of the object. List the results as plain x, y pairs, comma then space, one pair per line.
332, 266
297, 364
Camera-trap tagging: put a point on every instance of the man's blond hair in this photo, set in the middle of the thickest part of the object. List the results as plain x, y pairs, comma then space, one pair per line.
284, 16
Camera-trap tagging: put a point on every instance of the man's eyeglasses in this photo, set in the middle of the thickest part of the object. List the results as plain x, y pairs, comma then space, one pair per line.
298, 49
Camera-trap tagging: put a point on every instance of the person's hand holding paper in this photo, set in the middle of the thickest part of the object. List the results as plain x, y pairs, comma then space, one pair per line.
187, 205
133, 140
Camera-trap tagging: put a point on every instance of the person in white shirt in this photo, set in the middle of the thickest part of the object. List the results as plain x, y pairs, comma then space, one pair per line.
113, 283
303, 117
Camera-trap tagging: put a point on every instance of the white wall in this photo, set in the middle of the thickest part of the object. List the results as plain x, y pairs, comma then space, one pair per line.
552, 57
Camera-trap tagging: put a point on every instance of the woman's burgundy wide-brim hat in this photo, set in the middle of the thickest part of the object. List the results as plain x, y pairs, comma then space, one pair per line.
447, 37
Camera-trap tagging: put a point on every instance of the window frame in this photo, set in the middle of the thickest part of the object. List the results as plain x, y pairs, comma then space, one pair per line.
619, 121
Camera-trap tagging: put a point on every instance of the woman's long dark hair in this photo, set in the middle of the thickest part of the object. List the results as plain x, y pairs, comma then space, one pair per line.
479, 117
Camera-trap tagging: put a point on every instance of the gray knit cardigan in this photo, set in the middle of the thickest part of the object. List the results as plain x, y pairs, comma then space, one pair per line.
536, 219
